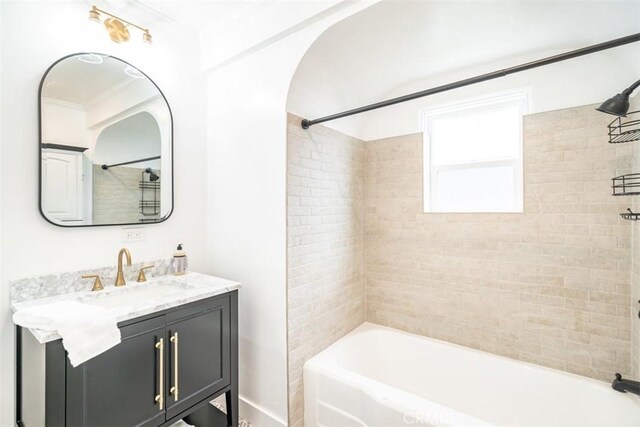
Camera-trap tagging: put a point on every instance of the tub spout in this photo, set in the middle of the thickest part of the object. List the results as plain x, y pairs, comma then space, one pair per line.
624, 386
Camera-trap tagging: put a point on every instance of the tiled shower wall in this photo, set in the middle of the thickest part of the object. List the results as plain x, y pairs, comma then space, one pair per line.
635, 300
325, 225
550, 286
635, 277
635, 265
116, 195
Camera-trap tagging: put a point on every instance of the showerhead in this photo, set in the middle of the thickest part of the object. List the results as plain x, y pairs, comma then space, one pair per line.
152, 175
618, 105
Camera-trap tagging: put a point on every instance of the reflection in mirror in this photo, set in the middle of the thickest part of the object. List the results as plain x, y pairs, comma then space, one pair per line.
106, 144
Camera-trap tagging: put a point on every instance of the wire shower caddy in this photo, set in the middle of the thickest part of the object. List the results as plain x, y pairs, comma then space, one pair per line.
149, 199
625, 129
630, 215
626, 185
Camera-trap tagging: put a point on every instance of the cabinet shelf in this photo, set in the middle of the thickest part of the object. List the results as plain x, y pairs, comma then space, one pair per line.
208, 415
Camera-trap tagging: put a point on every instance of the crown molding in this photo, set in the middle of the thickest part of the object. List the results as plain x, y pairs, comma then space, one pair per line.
62, 103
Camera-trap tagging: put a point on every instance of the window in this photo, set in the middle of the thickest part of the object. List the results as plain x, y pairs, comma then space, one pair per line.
473, 155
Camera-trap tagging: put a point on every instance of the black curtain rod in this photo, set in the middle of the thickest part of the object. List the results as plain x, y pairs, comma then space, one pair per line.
478, 79
105, 167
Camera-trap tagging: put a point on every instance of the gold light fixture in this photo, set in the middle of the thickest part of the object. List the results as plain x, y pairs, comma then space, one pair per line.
117, 28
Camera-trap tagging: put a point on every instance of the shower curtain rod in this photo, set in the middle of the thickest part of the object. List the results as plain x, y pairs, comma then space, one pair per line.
105, 167
478, 79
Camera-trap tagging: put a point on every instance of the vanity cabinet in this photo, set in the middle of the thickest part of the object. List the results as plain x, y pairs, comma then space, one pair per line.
168, 365
118, 387
199, 337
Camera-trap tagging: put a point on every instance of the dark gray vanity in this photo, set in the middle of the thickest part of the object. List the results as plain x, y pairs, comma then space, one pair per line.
169, 366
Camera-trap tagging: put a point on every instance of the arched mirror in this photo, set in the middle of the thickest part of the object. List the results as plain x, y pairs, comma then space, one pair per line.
106, 149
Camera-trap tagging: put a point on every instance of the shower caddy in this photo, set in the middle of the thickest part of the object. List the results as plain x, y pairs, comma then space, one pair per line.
621, 131
149, 199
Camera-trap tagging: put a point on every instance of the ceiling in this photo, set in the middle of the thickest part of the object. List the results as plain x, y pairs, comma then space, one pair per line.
200, 14
62, 80
369, 56
191, 15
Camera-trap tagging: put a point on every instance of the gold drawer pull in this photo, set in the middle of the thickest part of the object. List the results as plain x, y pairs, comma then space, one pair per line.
174, 390
159, 397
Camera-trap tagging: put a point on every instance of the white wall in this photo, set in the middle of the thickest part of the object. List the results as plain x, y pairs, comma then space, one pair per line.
247, 205
65, 124
120, 101
554, 87
30, 245
402, 46
6, 358
264, 25
136, 137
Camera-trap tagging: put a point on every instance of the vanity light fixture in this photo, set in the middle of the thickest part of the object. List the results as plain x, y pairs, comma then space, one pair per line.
618, 105
117, 28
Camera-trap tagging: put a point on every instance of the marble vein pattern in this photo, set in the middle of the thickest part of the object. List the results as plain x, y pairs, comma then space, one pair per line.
192, 287
37, 287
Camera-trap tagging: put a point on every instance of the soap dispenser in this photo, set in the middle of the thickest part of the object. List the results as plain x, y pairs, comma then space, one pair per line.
180, 263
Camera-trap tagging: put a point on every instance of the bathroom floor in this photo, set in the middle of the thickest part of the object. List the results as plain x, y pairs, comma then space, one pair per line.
220, 404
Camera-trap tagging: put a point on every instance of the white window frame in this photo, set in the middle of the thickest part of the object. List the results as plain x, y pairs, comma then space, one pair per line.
519, 97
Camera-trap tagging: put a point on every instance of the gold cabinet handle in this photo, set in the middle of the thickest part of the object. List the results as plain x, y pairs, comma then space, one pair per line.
141, 276
97, 284
160, 396
174, 390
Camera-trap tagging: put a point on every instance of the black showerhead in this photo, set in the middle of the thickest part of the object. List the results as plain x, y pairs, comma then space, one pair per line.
152, 175
618, 105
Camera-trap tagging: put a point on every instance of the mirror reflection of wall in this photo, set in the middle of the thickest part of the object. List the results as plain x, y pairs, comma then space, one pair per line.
118, 191
106, 144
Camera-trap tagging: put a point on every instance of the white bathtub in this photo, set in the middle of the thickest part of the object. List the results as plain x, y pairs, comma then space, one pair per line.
377, 376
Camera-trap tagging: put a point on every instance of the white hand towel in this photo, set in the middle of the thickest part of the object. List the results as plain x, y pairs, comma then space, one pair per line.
86, 330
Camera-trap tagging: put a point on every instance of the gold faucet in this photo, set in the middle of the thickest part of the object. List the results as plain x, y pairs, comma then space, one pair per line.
141, 276
97, 283
120, 277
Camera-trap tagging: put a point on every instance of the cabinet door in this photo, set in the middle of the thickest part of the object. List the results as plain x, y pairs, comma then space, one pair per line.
199, 360
118, 387
62, 185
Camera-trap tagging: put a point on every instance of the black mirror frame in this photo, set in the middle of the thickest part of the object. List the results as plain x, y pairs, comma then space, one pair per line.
40, 143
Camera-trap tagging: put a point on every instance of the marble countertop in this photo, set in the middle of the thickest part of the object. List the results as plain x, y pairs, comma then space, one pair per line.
138, 299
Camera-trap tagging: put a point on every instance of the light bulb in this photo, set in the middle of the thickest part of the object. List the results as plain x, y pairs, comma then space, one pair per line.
94, 15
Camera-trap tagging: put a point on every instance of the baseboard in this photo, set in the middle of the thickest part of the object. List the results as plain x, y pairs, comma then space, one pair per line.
257, 416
